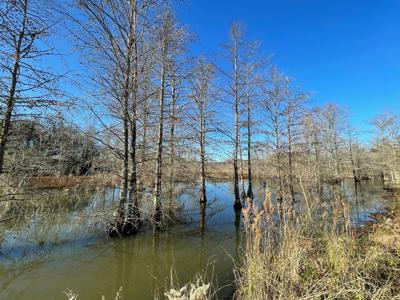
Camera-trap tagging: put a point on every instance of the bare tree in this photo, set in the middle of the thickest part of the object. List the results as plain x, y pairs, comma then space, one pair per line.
274, 114
236, 36
179, 70
293, 113
239, 54
331, 121
112, 35
251, 84
388, 131
201, 96
27, 84
165, 39
172, 141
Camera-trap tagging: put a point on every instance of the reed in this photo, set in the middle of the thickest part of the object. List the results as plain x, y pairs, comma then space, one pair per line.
317, 258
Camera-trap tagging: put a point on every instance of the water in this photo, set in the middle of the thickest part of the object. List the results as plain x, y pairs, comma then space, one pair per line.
46, 253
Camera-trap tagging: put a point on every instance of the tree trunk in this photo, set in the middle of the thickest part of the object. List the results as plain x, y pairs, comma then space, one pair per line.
157, 187
243, 190
125, 167
171, 188
290, 157
141, 186
353, 166
278, 163
133, 207
250, 179
6, 121
237, 204
203, 192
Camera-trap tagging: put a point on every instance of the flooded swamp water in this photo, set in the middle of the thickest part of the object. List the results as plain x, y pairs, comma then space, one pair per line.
47, 252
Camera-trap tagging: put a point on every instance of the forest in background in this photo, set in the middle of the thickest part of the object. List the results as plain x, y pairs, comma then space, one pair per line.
149, 114
157, 111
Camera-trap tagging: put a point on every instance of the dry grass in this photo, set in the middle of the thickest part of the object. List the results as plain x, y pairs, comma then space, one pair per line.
222, 171
202, 286
54, 182
387, 231
198, 290
74, 296
305, 259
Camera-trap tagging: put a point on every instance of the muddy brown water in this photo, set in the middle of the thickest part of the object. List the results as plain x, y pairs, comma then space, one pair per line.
44, 254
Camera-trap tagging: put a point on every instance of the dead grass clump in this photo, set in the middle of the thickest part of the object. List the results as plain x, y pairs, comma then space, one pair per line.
304, 260
200, 287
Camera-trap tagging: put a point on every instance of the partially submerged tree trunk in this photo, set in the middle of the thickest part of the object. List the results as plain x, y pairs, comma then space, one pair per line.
201, 97
114, 34
171, 188
290, 162
235, 36
143, 146
157, 209
353, 165
203, 192
249, 174
125, 161
274, 106
133, 219
243, 190
242, 64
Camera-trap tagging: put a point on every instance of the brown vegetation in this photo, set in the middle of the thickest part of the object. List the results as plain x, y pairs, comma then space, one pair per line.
311, 259
54, 182
221, 171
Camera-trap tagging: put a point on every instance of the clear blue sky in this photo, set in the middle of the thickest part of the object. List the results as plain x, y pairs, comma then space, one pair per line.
342, 51
347, 52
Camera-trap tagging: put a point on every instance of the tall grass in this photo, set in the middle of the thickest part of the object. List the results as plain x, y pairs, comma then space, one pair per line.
314, 258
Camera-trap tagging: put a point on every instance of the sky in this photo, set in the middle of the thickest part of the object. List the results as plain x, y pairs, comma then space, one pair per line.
341, 51
346, 52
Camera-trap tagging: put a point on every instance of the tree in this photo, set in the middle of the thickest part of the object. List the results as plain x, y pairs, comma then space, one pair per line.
236, 36
26, 83
388, 131
179, 70
274, 104
166, 37
112, 34
293, 114
251, 86
331, 121
201, 97
239, 54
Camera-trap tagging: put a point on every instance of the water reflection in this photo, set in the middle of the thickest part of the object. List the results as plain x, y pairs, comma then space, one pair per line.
237, 233
202, 259
45, 253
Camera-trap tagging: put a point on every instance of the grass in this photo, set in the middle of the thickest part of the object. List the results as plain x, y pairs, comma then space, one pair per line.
306, 259
54, 182
70, 295
197, 290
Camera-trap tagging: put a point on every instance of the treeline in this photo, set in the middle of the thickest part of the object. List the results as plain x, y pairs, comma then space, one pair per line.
157, 108
51, 149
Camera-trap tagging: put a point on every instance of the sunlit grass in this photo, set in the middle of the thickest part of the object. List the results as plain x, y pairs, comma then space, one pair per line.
304, 260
